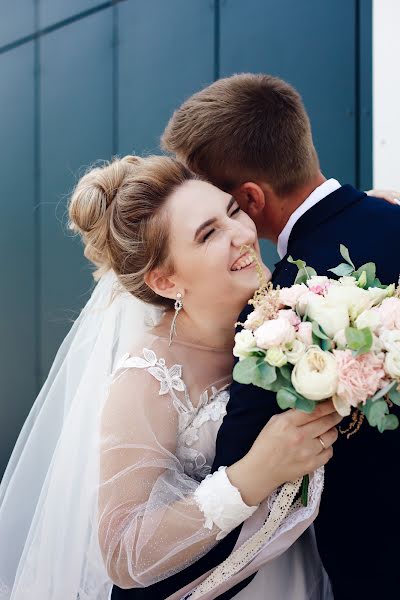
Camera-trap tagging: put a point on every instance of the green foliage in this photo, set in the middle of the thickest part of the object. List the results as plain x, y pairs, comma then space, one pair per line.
305, 272
318, 331
394, 396
359, 340
377, 413
342, 270
286, 398
256, 371
345, 254
370, 274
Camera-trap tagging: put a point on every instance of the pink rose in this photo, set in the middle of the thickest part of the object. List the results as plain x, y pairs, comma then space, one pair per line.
304, 333
291, 316
274, 333
359, 377
290, 296
389, 313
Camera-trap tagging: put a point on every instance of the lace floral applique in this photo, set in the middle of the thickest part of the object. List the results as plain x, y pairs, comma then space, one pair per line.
170, 379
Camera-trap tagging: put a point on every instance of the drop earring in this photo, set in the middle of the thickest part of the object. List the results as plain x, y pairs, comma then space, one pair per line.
178, 307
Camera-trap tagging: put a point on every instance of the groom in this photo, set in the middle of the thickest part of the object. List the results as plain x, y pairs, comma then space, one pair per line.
250, 135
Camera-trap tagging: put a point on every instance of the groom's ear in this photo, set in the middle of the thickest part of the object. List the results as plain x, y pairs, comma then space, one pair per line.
251, 198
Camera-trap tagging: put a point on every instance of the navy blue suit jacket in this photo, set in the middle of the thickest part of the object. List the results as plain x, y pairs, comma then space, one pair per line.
357, 530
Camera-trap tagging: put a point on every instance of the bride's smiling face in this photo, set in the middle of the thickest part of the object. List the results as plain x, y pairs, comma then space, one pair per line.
206, 236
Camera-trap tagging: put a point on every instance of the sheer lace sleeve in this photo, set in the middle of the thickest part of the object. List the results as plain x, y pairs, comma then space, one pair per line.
154, 520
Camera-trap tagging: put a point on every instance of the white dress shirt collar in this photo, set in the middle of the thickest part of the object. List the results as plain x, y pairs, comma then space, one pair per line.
323, 190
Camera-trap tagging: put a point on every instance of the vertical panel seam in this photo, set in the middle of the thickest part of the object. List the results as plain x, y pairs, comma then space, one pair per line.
36, 207
217, 25
115, 81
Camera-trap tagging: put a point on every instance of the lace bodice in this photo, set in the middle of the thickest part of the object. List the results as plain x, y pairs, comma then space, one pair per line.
198, 422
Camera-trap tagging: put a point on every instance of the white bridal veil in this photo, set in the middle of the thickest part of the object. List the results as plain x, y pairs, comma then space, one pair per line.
47, 494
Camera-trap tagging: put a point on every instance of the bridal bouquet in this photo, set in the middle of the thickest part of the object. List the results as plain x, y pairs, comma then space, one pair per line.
326, 338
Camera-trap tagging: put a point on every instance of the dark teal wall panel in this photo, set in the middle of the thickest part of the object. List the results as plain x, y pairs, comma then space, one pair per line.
17, 20
17, 244
52, 11
76, 129
166, 52
311, 44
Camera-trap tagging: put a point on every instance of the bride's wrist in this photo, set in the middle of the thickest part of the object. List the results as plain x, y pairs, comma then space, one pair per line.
253, 481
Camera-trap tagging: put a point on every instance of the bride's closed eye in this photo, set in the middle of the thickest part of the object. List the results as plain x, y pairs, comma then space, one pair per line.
232, 214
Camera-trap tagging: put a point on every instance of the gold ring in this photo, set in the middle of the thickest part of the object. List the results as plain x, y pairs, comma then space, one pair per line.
322, 443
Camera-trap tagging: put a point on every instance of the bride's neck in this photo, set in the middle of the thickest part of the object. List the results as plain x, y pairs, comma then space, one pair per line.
206, 327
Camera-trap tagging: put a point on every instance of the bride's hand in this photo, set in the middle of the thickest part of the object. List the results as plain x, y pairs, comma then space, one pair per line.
389, 195
290, 445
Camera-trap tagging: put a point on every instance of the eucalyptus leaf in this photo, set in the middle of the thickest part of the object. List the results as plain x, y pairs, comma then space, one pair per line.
342, 270
394, 396
326, 345
245, 370
375, 412
286, 372
265, 375
317, 330
304, 404
359, 340
286, 398
345, 254
383, 391
390, 422
300, 264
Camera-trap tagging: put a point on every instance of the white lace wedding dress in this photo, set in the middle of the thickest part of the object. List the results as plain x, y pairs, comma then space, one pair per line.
158, 510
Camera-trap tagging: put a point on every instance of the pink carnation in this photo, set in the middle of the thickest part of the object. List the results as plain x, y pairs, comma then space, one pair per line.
389, 313
291, 316
359, 377
290, 296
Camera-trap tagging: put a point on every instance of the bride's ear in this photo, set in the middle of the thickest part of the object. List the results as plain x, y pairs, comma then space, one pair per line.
251, 198
161, 284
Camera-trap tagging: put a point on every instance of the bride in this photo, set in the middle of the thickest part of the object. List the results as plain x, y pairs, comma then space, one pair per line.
109, 485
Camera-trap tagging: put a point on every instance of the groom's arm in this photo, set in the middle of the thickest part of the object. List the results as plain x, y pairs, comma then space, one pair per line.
248, 410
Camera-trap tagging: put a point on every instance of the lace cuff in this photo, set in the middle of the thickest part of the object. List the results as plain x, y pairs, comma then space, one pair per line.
221, 503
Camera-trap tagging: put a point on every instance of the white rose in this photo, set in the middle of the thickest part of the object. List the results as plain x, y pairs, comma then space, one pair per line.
253, 320
390, 340
244, 342
332, 317
340, 339
276, 357
355, 299
295, 351
302, 304
377, 295
276, 332
368, 318
315, 375
392, 364
347, 280
290, 296
321, 280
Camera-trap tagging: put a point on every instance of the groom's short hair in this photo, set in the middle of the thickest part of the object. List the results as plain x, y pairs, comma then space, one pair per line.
245, 128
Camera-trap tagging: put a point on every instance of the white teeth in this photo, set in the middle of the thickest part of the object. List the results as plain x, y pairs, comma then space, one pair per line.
243, 261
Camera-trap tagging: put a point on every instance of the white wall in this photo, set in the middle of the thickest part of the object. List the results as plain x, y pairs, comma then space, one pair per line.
386, 93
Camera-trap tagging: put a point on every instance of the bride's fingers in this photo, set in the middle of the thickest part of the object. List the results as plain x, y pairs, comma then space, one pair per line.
391, 196
322, 409
320, 426
326, 440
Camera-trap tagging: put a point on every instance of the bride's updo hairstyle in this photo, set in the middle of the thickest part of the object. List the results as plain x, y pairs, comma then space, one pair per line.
119, 210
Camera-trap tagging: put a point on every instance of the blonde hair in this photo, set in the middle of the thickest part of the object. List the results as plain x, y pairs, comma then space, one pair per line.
118, 210
245, 127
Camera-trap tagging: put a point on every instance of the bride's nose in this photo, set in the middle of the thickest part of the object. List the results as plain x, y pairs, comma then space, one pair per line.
243, 236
